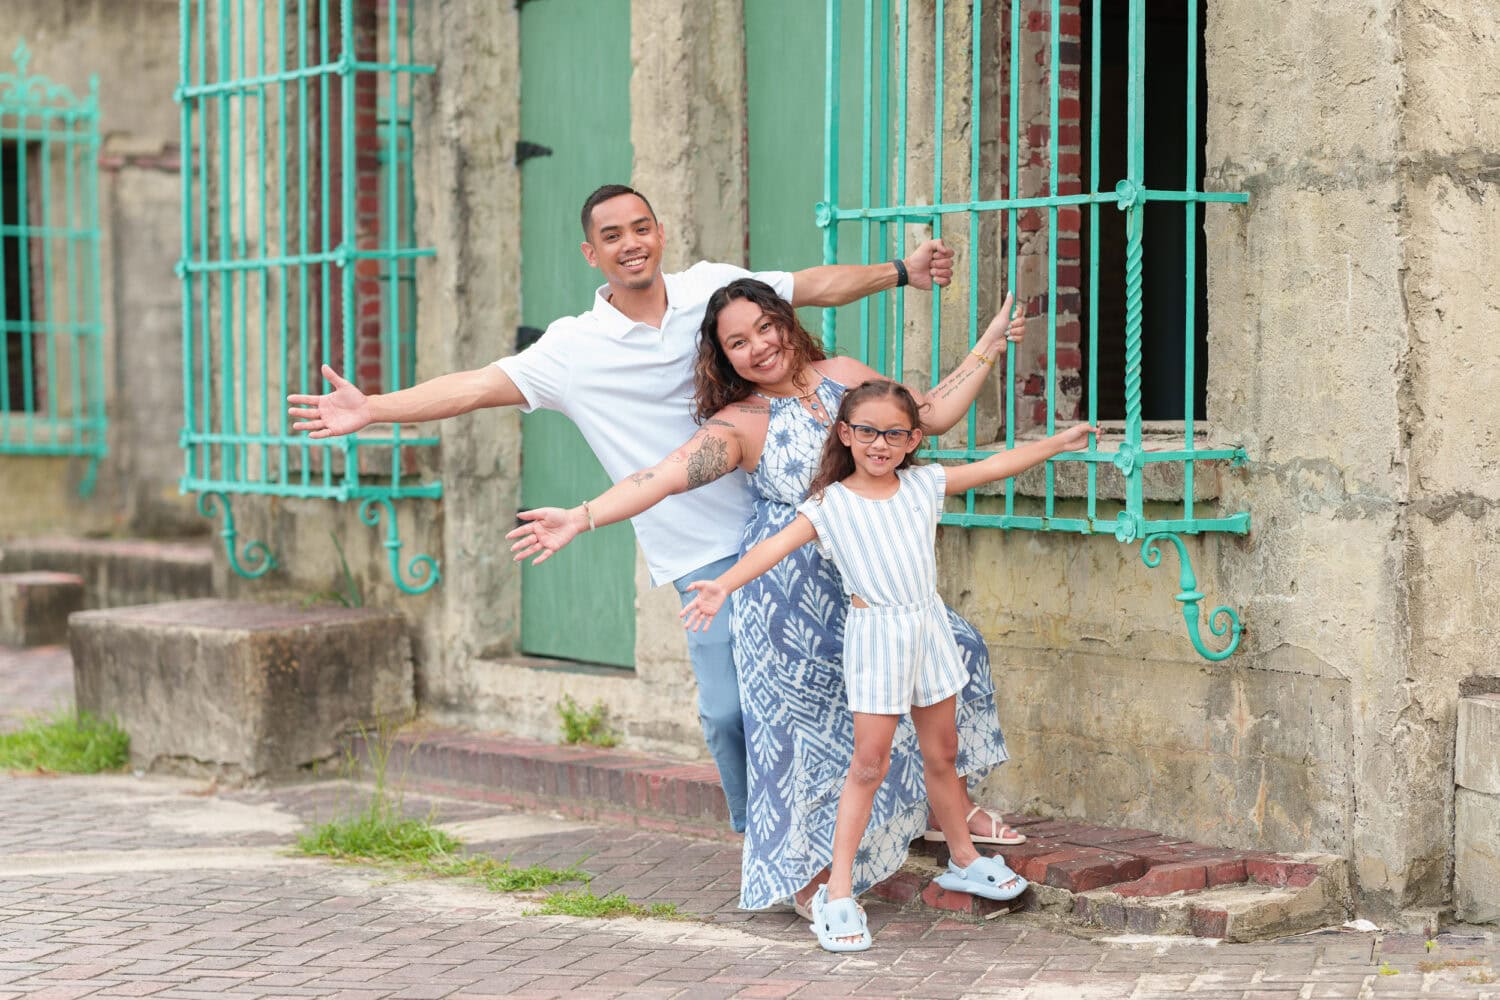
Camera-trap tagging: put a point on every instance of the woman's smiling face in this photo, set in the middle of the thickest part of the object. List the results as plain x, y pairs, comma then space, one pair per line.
753, 343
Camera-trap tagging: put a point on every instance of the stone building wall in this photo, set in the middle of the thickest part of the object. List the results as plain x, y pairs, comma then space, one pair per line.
132, 49
1352, 321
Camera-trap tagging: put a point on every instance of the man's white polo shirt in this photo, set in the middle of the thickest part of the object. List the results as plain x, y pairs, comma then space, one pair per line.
629, 388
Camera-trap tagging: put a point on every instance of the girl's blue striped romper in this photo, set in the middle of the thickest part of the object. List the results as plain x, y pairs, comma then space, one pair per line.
899, 651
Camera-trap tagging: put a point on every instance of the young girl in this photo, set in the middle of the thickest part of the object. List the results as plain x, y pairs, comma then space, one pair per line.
874, 515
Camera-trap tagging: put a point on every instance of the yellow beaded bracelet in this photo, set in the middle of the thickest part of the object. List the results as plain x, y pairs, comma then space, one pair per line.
983, 357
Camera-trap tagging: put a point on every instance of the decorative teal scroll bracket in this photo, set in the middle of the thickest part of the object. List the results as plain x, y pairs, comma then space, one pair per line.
1221, 621
255, 552
423, 569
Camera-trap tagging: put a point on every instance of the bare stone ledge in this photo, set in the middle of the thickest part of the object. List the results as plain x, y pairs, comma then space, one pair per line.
34, 607
240, 690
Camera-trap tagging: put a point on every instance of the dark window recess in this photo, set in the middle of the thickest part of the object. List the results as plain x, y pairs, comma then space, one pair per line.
1164, 339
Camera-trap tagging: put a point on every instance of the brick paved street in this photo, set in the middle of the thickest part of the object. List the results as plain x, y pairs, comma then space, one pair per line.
117, 886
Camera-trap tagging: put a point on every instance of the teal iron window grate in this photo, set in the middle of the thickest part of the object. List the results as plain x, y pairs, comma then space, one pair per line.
1030, 191
298, 249
52, 361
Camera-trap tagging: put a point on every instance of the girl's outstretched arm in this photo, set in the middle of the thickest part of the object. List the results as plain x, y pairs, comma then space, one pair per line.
1005, 464
711, 594
708, 455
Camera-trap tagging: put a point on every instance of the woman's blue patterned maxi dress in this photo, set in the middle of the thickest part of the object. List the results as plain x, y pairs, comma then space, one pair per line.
788, 635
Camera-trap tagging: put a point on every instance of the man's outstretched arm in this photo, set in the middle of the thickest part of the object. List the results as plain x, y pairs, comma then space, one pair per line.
346, 409
929, 264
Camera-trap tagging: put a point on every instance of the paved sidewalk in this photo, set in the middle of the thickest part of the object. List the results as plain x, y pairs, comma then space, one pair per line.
116, 886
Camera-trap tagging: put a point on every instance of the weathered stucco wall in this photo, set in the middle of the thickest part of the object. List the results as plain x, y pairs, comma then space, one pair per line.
132, 48
1450, 197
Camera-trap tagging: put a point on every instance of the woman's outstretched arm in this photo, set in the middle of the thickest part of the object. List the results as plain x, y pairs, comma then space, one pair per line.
945, 404
708, 455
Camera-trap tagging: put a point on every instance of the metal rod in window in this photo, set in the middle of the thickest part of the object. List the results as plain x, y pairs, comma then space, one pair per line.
1190, 270
903, 35
976, 33
831, 158
1093, 300
1012, 191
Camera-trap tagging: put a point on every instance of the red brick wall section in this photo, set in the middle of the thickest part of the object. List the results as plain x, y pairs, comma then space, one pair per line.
367, 206
1035, 236
366, 367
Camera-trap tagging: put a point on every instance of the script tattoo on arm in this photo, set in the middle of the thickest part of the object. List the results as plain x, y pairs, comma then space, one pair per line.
708, 462
950, 384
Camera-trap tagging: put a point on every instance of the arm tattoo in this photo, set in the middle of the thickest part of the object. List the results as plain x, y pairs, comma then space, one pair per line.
716, 422
952, 382
640, 478
708, 463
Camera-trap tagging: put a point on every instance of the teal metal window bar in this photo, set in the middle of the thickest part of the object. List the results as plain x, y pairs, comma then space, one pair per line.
297, 229
51, 336
880, 211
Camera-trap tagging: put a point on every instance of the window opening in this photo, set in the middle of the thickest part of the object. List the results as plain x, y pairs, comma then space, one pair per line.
298, 249
978, 125
51, 339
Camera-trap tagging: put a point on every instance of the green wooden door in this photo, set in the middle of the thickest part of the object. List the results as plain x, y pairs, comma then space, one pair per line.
785, 54
575, 100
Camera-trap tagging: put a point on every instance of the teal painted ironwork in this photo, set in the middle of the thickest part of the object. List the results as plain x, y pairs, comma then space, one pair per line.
423, 568
51, 333
257, 558
1125, 453
298, 249
1221, 621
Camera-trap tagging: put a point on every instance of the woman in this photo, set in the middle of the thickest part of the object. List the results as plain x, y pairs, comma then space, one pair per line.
765, 394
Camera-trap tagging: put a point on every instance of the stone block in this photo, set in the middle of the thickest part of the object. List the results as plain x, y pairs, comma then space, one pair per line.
237, 689
1477, 767
119, 572
1476, 856
34, 607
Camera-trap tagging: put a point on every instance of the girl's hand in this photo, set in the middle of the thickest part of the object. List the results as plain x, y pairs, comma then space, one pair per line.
1003, 328
698, 614
1075, 438
547, 530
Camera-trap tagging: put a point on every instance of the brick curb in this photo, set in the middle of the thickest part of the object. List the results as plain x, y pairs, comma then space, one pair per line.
1121, 879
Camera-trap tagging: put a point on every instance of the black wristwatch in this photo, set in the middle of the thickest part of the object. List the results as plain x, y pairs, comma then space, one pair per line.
901, 276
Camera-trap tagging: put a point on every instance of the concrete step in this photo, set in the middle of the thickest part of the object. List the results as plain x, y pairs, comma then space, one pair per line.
1119, 879
118, 573
34, 607
239, 690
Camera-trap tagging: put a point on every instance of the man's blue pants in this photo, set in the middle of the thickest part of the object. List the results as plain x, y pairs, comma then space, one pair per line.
719, 694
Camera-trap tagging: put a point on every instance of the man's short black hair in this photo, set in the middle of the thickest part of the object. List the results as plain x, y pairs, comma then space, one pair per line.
602, 195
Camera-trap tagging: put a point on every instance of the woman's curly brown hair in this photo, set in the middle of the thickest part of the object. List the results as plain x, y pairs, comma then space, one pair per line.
716, 383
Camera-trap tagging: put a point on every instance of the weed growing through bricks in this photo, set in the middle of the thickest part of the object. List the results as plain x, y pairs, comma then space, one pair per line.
66, 741
348, 592
583, 903
580, 725
382, 834
382, 831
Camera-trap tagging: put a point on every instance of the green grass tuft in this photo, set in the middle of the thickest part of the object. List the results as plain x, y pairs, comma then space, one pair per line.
502, 876
583, 903
380, 834
67, 741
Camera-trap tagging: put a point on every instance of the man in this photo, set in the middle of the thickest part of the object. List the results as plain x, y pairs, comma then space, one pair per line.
623, 373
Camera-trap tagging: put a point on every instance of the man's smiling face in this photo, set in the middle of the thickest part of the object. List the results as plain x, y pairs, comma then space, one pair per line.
625, 242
